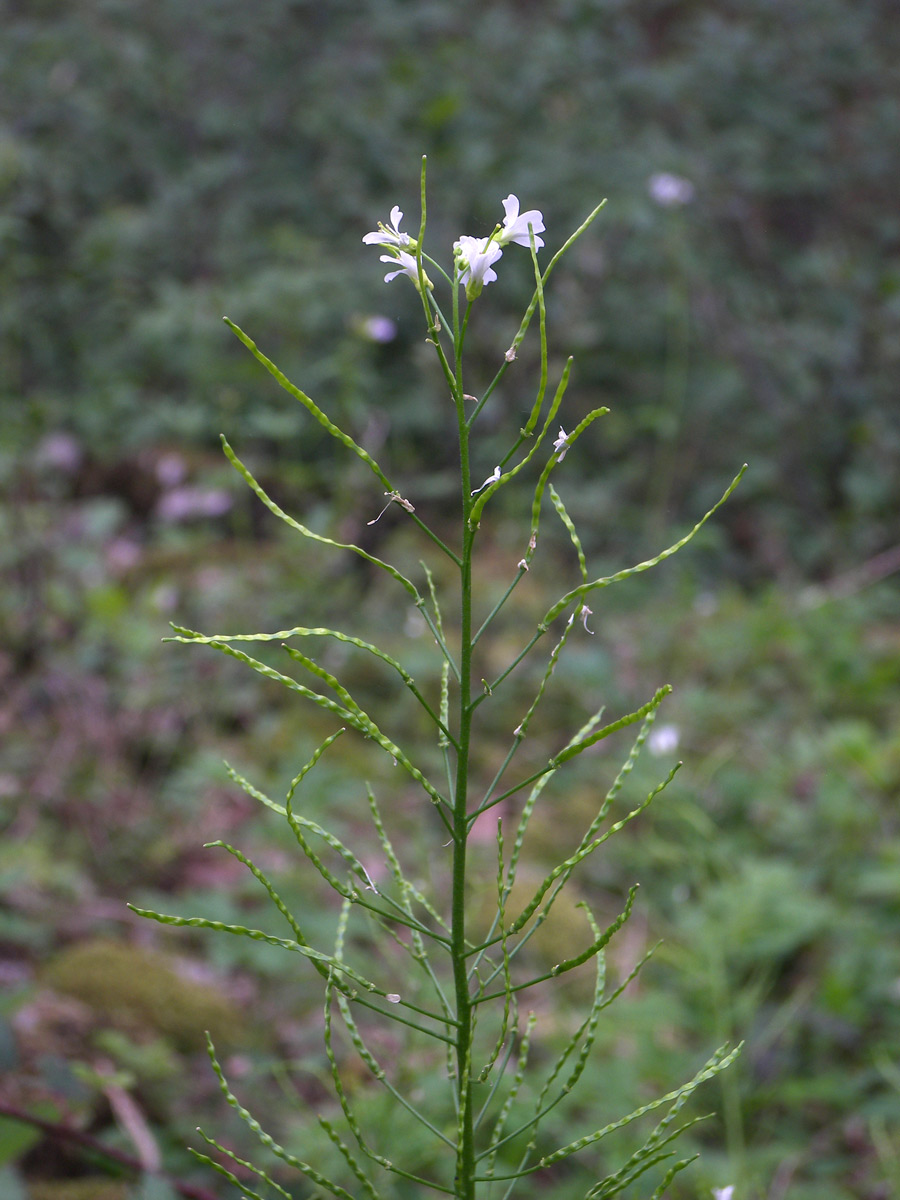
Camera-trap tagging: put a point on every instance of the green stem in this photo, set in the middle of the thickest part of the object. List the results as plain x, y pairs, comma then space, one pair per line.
465, 1151
503, 599
529, 312
541, 630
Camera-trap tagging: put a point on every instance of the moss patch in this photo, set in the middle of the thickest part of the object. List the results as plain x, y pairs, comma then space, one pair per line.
141, 986
89, 1188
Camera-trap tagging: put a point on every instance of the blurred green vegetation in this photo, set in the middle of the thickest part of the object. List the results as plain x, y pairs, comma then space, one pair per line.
163, 164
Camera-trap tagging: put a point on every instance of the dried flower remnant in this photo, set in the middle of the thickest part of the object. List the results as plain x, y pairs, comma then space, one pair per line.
492, 478
393, 497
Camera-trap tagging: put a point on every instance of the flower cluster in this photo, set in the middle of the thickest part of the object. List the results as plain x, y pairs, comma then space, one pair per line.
474, 257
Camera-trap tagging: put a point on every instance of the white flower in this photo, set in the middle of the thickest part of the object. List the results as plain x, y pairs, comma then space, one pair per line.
561, 445
515, 224
389, 235
670, 191
724, 1193
474, 256
408, 266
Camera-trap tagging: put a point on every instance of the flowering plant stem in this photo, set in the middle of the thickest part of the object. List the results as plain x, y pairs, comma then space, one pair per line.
460, 980
464, 1011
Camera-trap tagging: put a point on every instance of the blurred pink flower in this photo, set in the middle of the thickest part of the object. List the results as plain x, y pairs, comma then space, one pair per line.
378, 328
187, 503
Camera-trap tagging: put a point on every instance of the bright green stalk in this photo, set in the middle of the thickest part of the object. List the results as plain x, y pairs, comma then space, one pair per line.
465, 1154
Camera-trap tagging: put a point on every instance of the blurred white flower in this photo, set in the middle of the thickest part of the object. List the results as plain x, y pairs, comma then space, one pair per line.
389, 235
724, 1193
378, 328
670, 191
414, 623
561, 445
515, 224
663, 740
474, 256
706, 603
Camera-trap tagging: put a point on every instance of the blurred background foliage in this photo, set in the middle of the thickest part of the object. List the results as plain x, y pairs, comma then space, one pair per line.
163, 164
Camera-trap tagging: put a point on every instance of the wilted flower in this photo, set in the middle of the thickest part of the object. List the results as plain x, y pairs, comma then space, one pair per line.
492, 478
515, 224
670, 191
475, 256
389, 235
561, 445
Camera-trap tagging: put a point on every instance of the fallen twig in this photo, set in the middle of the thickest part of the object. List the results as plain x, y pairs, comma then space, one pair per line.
65, 1133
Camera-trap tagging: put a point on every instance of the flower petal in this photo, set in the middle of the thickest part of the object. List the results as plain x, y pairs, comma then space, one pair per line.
511, 208
389, 235
515, 224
